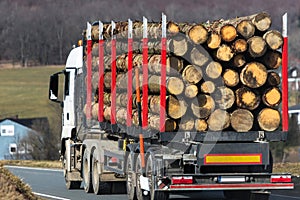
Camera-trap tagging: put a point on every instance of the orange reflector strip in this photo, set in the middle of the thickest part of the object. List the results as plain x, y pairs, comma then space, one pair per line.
210, 159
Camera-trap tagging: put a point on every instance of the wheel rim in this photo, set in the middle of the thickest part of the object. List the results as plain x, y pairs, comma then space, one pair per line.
138, 174
149, 172
95, 177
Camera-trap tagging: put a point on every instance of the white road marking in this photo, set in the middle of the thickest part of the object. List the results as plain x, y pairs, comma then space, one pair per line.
50, 196
285, 196
34, 168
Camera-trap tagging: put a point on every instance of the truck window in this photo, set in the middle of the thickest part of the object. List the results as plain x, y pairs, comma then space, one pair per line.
67, 83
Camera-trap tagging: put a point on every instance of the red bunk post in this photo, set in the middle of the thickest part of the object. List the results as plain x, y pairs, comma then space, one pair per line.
89, 73
163, 91
113, 78
145, 75
101, 75
129, 75
285, 115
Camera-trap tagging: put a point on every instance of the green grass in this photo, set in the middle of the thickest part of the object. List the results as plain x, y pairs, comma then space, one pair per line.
24, 92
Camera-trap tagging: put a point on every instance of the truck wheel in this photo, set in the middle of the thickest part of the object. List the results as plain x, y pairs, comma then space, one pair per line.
87, 177
98, 186
138, 170
130, 178
237, 195
154, 195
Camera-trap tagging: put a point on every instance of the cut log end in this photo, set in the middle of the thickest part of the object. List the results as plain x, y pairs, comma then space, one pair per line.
273, 78
272, 97
272, 59
228, 33
201, 125
257, 46
262, 21
214, 70
175, 85
224, 53
241, 120
240, 45
269, 119
202, 106
246, 29
224, 97
208, 87
239, 60
246, 98
192, 74
231, 77
214, 40
191, 91
218, 120
198, 34
254, 75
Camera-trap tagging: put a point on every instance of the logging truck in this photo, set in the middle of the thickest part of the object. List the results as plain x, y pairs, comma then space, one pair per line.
166, 107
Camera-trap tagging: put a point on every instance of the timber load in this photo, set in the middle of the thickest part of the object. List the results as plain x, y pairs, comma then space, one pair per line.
220, 75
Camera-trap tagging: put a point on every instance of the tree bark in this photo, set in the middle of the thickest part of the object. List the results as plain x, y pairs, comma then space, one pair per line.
269, 119
218, 120
254, 75
247, 98
241, 120
231, 77
272, 97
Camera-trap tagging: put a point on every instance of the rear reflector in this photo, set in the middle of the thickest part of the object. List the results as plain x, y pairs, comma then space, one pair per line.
237, 159
182, 180
281, 179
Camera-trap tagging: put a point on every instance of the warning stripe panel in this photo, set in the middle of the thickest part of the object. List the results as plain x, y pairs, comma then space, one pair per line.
212, 159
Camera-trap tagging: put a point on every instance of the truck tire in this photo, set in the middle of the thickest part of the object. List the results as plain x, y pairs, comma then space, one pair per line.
98, 186
130, 178
138, 173
150, 167
86, 173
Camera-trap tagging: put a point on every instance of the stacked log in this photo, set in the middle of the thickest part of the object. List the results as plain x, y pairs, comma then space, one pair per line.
220, 75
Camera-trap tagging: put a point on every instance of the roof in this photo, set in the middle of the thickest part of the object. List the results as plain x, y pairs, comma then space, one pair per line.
28, 122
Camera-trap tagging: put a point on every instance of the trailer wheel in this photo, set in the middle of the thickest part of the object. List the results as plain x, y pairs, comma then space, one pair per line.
87, 176
130, 178
150, 172
98, 186
138, 170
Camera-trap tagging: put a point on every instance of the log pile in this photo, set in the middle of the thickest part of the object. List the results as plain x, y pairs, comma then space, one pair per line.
220, 75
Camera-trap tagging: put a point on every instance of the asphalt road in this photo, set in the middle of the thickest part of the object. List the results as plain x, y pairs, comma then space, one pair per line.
49, 184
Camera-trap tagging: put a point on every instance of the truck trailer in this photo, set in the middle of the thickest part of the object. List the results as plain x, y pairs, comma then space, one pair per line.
111, 138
